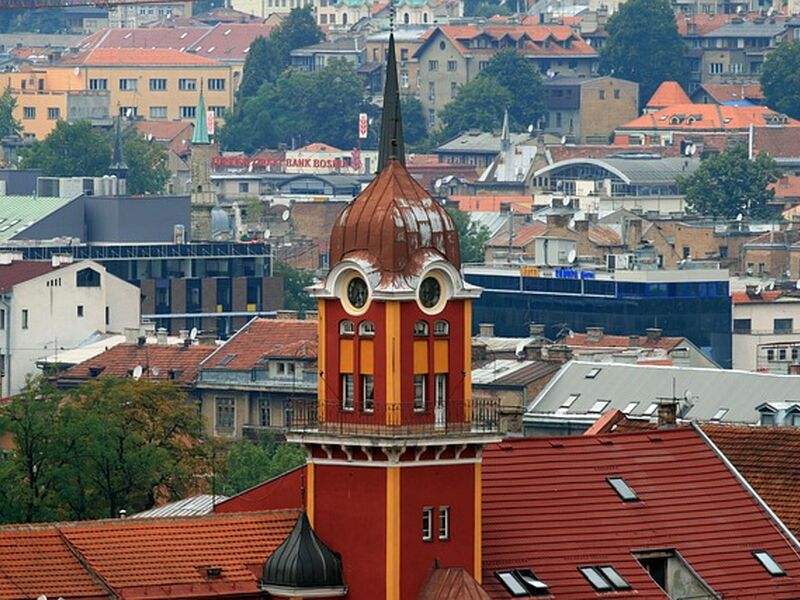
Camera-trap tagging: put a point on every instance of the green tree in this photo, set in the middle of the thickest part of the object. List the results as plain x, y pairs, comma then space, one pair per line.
71, 149
8, 124
413, 120
780, 79
250, 463
471, 236
295, 282
644, 46
263, 63
46, 20
731, 184
148, 172
518, 75
480, 104
298, 30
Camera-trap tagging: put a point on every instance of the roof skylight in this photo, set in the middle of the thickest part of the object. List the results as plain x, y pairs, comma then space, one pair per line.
651, 409
623, 489
604, 578
769, 563
599, 406
522, 583
720, 414
630, 408
592, 373
570, 400
227, 359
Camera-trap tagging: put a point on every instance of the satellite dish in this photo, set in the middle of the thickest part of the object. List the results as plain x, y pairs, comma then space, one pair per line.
156, 371
285, 215
565, 201
771, 285
530, 128
759, 289
563, 140
739, 217
137, 371
797, 284
572, 256
692, 150
193, 333
267, 233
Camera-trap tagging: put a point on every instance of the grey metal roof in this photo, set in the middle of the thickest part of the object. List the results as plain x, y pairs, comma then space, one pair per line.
509, 372
188, 507
635, 169
480, 142
747, 29
708, 389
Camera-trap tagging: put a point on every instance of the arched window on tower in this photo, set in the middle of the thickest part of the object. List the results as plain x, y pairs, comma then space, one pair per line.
366, 328
346, 327
420, 328
441, 328
406, 18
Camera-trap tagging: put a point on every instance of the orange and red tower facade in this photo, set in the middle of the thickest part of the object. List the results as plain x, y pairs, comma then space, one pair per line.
394, 439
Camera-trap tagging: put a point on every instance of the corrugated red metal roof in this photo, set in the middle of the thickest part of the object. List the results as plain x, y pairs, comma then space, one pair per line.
547, 506
451, 584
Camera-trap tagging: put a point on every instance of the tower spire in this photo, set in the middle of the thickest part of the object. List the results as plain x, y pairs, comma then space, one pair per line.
200, 135
391, 142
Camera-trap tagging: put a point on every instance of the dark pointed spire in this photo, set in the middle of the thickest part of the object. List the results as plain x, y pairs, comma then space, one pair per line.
391, 142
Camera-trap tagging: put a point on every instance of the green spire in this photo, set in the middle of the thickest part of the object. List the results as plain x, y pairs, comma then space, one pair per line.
200, 135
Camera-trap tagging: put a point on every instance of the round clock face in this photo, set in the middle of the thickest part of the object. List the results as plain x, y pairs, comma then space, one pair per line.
430, 292
357, 292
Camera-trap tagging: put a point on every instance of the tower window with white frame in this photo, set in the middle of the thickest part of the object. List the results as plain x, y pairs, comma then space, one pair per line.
368, 393
427, 524
347, 392
444, 523
420, 385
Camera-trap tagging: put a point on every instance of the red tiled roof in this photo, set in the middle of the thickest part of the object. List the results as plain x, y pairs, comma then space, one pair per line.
265, 338
231, 41
768, 457
603, 235
134, 57
777, 142
547, 506
705, 117
176, 38
762, 298
667, 94
452, 583
19, 271
538, 35
140, 558
163, 131
522, 236
318, 147
788, 186
582, 340
520, 203
178, 363
700, 24
729, 92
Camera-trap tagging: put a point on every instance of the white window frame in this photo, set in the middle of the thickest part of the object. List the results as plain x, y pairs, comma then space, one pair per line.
427, 524
348, 392
444, 523
365, 380
420, 385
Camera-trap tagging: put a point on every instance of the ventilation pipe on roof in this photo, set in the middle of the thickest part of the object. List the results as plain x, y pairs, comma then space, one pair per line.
161, 336
653, 334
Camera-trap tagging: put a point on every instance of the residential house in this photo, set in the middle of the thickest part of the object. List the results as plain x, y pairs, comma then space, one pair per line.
318, 56
452, 56
407, 42
130, 15
774, 254
732, 94
478, 148
269, 8
587, 110
249, 383
175, 138
766, 329
48, 305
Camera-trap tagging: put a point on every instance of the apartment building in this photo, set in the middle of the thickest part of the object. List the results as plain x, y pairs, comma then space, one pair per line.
452, 56
407, 42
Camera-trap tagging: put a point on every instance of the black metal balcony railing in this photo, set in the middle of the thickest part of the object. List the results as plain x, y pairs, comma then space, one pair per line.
404, 419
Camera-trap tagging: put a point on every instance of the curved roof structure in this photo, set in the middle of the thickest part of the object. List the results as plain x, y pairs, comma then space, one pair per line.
633, 170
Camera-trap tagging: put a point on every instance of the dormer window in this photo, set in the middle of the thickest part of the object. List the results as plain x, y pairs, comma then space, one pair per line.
420, 329
441, 327
366, 329
347, 327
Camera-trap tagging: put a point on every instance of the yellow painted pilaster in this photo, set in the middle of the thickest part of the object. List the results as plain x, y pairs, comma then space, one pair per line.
321, 333
467, 360
310, 492
392, 363
393, 533
478, 567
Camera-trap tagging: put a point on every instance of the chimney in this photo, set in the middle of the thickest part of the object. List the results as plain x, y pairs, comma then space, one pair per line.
653, 334
559, 353
183, 334
667, 414
594, 334
634, 233
633, 340
478, 350
486, 330
131, 334
312, 315
533, 349
286, 315
558, 220
582, 226
535, 329
161, 336
752, 291
141, 341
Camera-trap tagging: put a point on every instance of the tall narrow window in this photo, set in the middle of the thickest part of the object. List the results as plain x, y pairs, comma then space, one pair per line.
347, 392
444, 522
24, 318
368, 392
427, 524
420, 383
226, 414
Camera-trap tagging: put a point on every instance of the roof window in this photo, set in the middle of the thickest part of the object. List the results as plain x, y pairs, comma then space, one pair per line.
630, 408
769, 563
720, 414
522, 583
651, 409
599, 406
592, 373
604, 579
623, 489
227, 359
570, 400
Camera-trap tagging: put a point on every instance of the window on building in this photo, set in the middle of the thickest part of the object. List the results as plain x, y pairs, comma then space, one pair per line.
599, 406
403, 54
421, 328
187, 112
616, 94
431, 91
348, 397
433, 65
420, 385
782, 325
347, 327
29, 113
87, 278
767, 419
769, 563
441, 327
158, 85
404, 81
427, 524
218, 111
570, 400
244, 187
98, 84
80, 310
602, 94
650, 409
522, 582
226, 414
187, 85
592, 373
2, 318
715, 68
158, 112
366, 328
128, 112
128, 85
368, 392
431, 117
482, 65
264, 413
742, 325
53, 113
622, 488
24, 318
604, 579
444, 522
720, 414
452, 65
216, 85
558, 120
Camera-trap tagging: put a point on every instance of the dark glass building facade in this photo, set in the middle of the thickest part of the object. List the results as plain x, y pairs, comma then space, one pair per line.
692, 304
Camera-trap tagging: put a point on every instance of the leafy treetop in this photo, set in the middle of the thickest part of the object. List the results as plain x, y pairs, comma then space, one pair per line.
780, 79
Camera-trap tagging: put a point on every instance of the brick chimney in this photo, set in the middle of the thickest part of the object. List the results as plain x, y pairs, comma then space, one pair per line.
594, 334
558, 220
535, 329
559, 353
667, 414
486, 330
582, 226
633, 340
533, 349
653, 334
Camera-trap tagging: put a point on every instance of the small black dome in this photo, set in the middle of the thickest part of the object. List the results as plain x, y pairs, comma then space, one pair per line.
303, 562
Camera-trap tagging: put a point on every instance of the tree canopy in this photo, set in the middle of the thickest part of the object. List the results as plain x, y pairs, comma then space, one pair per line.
249, 463
148, 172
479, 104
8, 124
520, 77
644, 46
298, 30
730, 184
472, 237
295, 282
780, 78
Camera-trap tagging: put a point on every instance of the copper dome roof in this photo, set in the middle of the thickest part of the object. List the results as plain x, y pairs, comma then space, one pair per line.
393, 224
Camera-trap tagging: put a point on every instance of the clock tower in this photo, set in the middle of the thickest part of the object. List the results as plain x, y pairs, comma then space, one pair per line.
394, 438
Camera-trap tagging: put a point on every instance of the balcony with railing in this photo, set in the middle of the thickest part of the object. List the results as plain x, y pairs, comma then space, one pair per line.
395, 420
301, 381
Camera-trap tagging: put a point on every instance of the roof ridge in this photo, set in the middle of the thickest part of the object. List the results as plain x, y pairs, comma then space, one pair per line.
84, 562
230, 339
